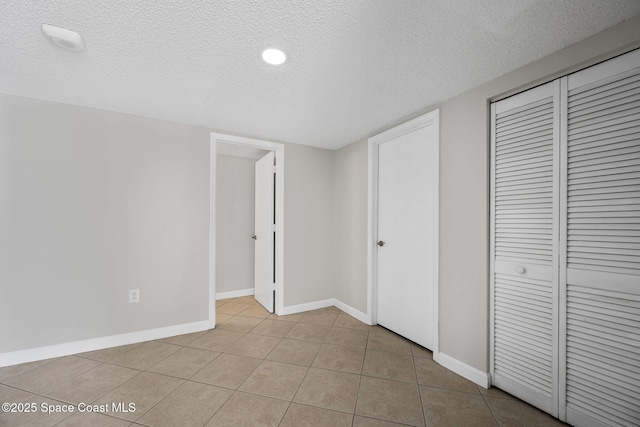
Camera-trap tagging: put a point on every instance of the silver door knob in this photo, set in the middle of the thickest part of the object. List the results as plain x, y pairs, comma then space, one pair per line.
380, 243
254, 237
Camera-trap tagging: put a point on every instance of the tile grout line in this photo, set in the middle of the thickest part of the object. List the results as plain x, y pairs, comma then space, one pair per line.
355, 408
498, 423
424, 415
237, 390
415, 372
158, 402
300, 321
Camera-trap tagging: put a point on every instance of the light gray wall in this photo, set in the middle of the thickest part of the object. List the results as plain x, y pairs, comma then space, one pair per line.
235, 213
94, 203
309, 217
464, 198
464, 191
350, 189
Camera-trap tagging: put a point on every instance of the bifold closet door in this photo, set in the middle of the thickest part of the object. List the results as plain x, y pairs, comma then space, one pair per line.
565, 242
601, 259
524, 246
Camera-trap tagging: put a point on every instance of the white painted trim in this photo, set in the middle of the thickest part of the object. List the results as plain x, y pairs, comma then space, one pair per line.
430, 119
436, 267
577, 418
330, 302
278, 150
606, 69
492, 245
213, 161
560, 316
235, 294
558, 117
427, 119
527, 97
483, 379
66, 349
308, 306
356, 314
372, 234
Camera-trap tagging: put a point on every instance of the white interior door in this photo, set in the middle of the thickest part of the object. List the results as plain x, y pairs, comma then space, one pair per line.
264, 231
407, 247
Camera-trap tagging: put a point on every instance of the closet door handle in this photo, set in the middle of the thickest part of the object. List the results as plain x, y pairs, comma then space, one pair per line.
520, 269
254, 237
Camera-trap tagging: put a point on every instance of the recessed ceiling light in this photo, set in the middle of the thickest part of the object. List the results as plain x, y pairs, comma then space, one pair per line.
273, 56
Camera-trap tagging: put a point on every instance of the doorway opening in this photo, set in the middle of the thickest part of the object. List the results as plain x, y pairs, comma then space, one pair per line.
240, 166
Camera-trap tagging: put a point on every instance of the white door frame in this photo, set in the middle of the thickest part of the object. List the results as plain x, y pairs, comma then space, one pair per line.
278, 150
429, 119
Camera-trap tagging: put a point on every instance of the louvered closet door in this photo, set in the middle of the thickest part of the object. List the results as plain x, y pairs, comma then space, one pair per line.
602, 258
524, 247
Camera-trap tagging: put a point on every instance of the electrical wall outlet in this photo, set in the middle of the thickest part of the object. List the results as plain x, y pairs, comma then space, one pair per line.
134, 295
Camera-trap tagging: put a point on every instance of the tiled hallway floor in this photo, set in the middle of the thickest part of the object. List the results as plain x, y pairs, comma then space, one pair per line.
320, 368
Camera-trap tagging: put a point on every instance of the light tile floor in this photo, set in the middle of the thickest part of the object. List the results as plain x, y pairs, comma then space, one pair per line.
320, 368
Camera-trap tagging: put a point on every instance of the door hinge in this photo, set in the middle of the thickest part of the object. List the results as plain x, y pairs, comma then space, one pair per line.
273, 168
273, 286
273, 228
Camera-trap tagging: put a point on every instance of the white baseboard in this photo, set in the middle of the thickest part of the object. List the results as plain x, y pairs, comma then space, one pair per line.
66, 349
469, 372
331, 302
353, 312
299, 308
235, 294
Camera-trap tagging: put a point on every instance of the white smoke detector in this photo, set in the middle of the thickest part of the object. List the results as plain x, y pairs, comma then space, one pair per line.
63, 38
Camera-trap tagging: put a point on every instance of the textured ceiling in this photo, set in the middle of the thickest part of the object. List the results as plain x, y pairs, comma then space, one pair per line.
354, 67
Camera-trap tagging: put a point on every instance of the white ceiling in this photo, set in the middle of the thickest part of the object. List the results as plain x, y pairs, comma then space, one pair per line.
354, 67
